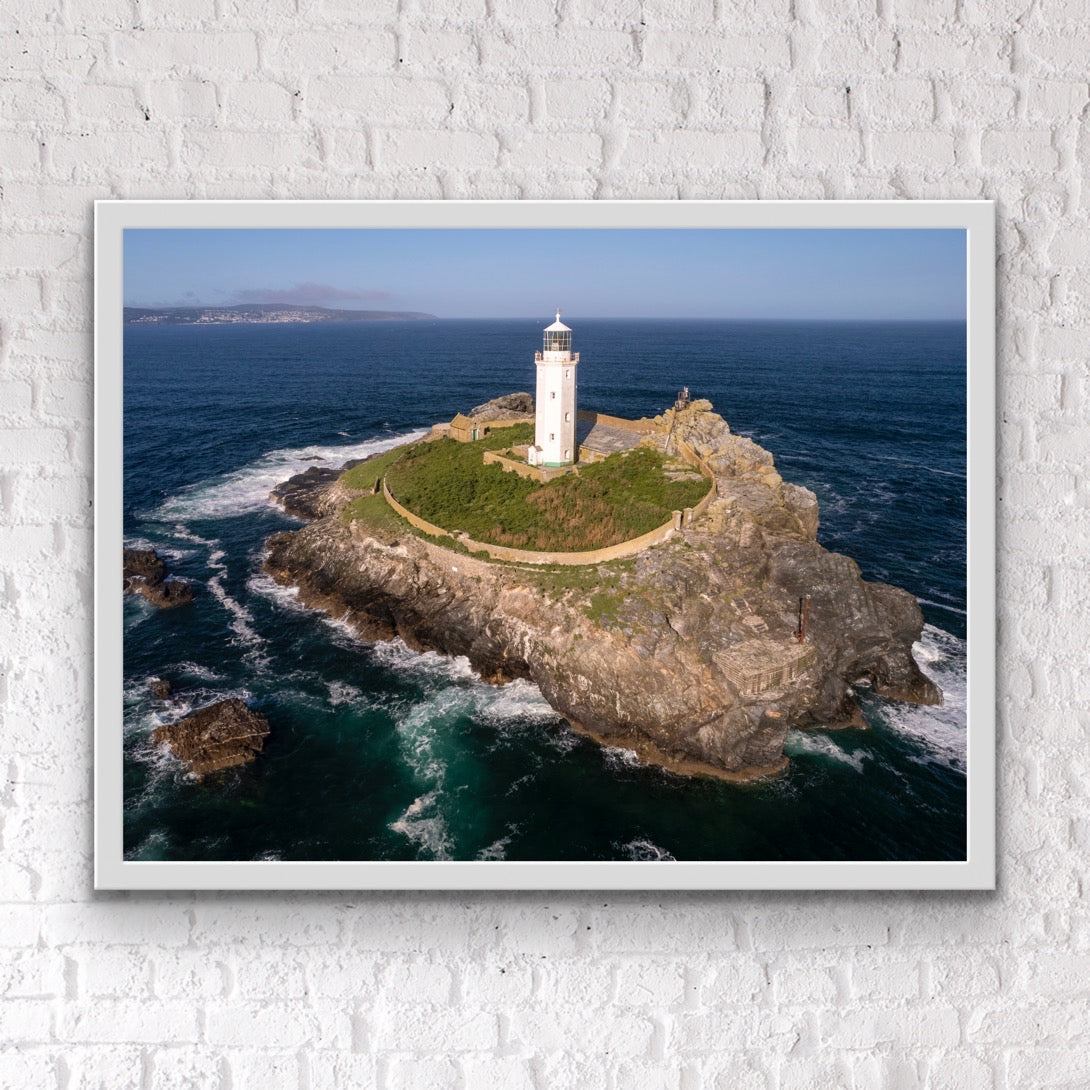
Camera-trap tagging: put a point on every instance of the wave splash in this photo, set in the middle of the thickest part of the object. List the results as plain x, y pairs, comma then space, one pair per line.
935, 734
245, 490
939, 731
424, 825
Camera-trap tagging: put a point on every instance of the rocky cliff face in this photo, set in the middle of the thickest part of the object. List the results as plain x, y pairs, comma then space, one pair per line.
686, 654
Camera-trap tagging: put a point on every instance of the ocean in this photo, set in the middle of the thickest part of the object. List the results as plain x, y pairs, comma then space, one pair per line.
381, 753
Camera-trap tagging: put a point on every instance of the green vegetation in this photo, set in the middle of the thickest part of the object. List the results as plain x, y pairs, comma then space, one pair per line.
366, 475
624, 496
377, 515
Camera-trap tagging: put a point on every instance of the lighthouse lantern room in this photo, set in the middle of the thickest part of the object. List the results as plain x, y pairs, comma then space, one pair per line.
554, 434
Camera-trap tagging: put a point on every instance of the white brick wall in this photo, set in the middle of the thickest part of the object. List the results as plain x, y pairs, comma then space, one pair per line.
690, 99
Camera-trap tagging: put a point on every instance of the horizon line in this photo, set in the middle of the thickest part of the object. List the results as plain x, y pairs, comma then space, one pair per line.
584, 317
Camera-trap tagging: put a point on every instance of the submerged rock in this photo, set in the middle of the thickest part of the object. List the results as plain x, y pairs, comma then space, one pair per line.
160, 688
221, 735
145, 573
687, 654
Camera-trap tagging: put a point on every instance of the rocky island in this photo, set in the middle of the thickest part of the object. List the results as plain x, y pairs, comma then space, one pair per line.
145, 572
698, 652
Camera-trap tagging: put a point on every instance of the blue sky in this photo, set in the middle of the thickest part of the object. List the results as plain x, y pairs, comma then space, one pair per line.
504, 273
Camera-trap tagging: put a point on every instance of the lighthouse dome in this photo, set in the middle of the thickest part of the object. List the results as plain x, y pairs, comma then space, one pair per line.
558, 326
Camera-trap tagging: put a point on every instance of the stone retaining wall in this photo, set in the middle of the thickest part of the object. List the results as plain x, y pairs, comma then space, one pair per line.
694, 459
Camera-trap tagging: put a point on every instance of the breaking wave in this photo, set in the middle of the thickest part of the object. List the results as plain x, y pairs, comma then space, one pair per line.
800, 743
642, 850
423, 824
939, 731
245, 490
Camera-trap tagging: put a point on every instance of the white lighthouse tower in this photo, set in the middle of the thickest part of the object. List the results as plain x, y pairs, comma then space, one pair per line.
554, 435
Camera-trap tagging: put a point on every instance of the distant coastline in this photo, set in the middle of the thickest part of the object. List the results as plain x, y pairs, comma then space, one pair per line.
261, 313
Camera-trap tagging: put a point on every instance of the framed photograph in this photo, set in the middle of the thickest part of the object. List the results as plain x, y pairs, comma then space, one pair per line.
573, 545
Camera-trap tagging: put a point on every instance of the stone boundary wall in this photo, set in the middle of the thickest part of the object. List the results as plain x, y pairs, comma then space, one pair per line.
623, 549
694, 459
525, 556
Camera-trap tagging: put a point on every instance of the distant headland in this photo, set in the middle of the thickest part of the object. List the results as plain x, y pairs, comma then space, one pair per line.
261, 314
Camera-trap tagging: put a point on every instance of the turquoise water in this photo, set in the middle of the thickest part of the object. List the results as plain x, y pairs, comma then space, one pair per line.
377, 752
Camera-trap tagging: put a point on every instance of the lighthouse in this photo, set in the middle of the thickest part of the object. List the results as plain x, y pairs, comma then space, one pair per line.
554, 434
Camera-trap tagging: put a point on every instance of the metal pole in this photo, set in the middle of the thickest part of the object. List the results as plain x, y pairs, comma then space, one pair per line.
804, 615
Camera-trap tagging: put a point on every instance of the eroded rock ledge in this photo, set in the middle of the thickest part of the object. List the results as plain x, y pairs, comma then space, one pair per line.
685, 654
221, 735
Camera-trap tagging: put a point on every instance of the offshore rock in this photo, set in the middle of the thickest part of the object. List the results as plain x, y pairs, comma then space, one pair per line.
218, 736
145, 573
686, 654
160, 688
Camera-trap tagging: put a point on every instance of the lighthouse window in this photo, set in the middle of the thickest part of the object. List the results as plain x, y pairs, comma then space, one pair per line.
552, 394
552, 437
567, 418
567, 372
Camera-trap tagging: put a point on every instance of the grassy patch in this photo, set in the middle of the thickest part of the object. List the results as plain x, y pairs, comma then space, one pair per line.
447, 483
375, 513
364, 476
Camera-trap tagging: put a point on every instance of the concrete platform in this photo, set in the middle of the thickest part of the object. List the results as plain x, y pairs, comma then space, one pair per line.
604, 439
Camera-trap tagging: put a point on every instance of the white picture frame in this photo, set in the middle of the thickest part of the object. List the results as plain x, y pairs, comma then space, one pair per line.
976, 871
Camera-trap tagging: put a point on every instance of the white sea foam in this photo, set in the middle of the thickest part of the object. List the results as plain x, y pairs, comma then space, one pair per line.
247, 489
241, 619
498, 848
197, 670
183, 533
424, 826
642, 850
516, 703
241, 623
939, 730
287, 597
136, 609
152, 847
168, 551
943, 605
801, 743
340, 692
397, 655
516, 784
616, 757
160, 767
937, 733
188, 701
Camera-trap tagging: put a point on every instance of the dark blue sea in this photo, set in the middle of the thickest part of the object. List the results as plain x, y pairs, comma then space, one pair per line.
377, 752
